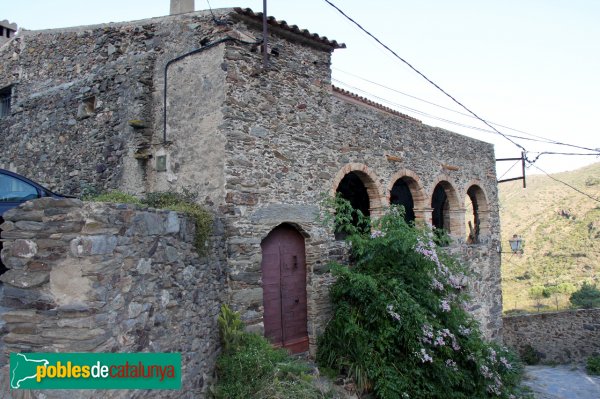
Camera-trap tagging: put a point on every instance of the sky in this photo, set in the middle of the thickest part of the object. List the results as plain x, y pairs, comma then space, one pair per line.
526, 65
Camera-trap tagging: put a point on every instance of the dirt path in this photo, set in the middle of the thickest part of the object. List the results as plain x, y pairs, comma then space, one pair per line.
561, 382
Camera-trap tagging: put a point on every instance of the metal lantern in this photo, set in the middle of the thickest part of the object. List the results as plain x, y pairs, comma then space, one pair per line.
516, 244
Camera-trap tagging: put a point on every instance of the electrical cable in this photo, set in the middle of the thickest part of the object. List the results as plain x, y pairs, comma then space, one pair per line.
566, 184
423, 76
509, 169
215, 20
413, 110
539, 138
560, 153
416, 111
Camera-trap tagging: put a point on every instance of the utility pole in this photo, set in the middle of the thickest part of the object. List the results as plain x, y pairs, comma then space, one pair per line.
265, 45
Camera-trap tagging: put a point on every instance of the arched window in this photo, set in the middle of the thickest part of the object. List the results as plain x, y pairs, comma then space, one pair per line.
476, 222
357, 184
401, 195
440, 217
352, 189
444, 203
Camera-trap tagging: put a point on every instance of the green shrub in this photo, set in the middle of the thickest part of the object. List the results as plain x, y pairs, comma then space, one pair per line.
593, 365
530, 356
250, 367
184, 203
587, 297
399, 326
231, 329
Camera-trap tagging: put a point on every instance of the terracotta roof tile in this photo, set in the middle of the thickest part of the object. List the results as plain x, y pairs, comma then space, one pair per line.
322, 40
357, 98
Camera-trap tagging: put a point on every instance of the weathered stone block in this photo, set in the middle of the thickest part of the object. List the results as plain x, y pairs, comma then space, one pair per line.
50, 202
250, 296
144, 266
23, 249
25, 279
21, 316
276, 213
93, 245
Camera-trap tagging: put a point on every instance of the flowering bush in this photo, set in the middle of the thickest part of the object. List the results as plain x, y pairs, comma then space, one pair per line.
400, 327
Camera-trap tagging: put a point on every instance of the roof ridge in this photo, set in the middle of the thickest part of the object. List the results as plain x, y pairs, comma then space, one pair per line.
372, 103
305, 33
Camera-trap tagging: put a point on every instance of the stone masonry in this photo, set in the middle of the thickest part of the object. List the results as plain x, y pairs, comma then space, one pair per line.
260, 146
87, 277
559, 337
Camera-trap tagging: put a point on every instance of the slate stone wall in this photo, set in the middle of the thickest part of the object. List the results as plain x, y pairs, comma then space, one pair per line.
261, 147
290, 140
559, 337
93, 277
87, 101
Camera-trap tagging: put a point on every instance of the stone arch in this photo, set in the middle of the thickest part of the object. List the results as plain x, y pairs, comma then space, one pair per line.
477, 213
418, 198
370, 182
447, 211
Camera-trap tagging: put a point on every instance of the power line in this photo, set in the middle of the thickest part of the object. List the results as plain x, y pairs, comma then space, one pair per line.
412, 109
425, 114
566, 184
509, 169
537, 138
423, 76
560, 153
416, 111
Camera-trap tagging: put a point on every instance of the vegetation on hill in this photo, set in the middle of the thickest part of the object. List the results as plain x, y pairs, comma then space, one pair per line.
561, 229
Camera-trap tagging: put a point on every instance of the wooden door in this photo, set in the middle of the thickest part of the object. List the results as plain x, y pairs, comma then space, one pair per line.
284, 288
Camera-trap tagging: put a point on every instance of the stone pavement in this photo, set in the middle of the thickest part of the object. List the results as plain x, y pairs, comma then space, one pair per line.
561, 382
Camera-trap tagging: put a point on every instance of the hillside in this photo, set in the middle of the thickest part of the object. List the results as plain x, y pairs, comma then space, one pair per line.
561, 230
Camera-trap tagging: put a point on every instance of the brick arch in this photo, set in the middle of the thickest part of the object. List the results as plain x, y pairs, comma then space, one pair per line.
476, 197
419, 197
370, 181
456, 212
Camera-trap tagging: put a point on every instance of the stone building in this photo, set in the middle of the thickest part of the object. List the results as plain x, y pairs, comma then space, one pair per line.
7, 31
183, 101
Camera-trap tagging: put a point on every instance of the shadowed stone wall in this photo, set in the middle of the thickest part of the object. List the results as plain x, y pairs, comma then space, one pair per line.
92, 277
563, 337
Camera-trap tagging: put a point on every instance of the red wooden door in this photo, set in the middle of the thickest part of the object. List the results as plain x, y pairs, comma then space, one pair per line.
284, 288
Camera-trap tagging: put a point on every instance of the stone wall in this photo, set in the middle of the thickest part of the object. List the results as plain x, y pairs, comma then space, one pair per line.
290, 140
562, 337
260, 146
87, 101
92, 277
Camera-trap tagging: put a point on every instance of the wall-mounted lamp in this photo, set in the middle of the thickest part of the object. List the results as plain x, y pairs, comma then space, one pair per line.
516, 244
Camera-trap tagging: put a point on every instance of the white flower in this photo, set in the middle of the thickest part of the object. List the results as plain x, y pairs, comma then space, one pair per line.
395, 316
377, 233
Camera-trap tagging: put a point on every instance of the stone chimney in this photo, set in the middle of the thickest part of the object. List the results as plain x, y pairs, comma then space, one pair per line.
181, 6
